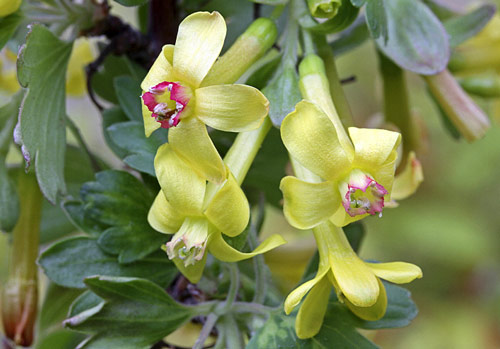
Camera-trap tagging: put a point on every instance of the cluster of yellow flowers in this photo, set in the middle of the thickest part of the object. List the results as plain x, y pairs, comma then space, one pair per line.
341, 177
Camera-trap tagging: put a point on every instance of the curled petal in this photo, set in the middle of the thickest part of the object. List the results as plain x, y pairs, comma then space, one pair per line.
294, 298
199, 41
222, 251
150, 124
192, 272
228, 210
311, 138
161, 69
162, 216
190, 139
308, 204
356, 280
311, 313
183, 188
374, 312
397, 272
235, 108
408, 181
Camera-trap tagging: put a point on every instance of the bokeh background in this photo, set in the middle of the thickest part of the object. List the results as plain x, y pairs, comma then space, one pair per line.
450, 227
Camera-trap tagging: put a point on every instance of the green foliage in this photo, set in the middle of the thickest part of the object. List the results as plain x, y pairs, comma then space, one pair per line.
415, 40
351, 38
68, 262
42, 117
128, 92
345, 16
135, 314
115, 207
9, 201
464, 27
139, 151
8, 26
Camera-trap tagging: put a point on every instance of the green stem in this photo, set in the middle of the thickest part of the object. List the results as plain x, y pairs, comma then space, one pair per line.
234, 339
336, 90
205, 308
232, 293
240, 156
277, 12
258, 261
291, 36
205, 331
257, 308
308, 42
396, 104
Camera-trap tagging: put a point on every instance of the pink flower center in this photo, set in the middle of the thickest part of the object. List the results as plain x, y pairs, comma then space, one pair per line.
364, 195
166, 101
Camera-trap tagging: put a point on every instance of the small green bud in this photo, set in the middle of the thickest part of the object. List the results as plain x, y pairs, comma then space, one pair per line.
487, 86
324, 8
247, 49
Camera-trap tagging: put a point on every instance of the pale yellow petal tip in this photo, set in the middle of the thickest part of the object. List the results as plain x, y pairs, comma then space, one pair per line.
396, 272
9, 6
150, 124
408, 181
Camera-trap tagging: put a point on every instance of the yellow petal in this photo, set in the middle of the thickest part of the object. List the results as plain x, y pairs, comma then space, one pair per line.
373, 147
222, 251
234, 108
308, 204
199, 42
192, 272
183, 188
294, 298
161, 69
9, 82
397, 272
190, 140
374, 312
312, 311
228, 210
162, 216
9, 6
407, 182
311, 138
150, 124
355, 279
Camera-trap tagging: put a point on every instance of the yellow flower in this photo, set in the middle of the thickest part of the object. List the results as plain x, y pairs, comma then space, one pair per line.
8, 6
176, 96
198, 214
81, 55
356, 282
8, 77
357, 181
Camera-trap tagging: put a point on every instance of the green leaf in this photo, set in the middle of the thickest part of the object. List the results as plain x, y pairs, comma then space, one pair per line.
128, 91
42, 70
136, 314
283, 93
416, 40
376, 18
87, 300
8, 26
464, 27
139, 150
116, 207
115, 66
130, 3
61, 339
116, 198
350, 39
109, 117
55, 307
9, 201
70, 261
346, 14
337, 331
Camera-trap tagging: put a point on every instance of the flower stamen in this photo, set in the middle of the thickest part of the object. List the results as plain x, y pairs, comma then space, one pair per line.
363, 195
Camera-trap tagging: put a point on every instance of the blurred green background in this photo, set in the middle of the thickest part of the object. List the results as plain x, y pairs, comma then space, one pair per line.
450, 227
